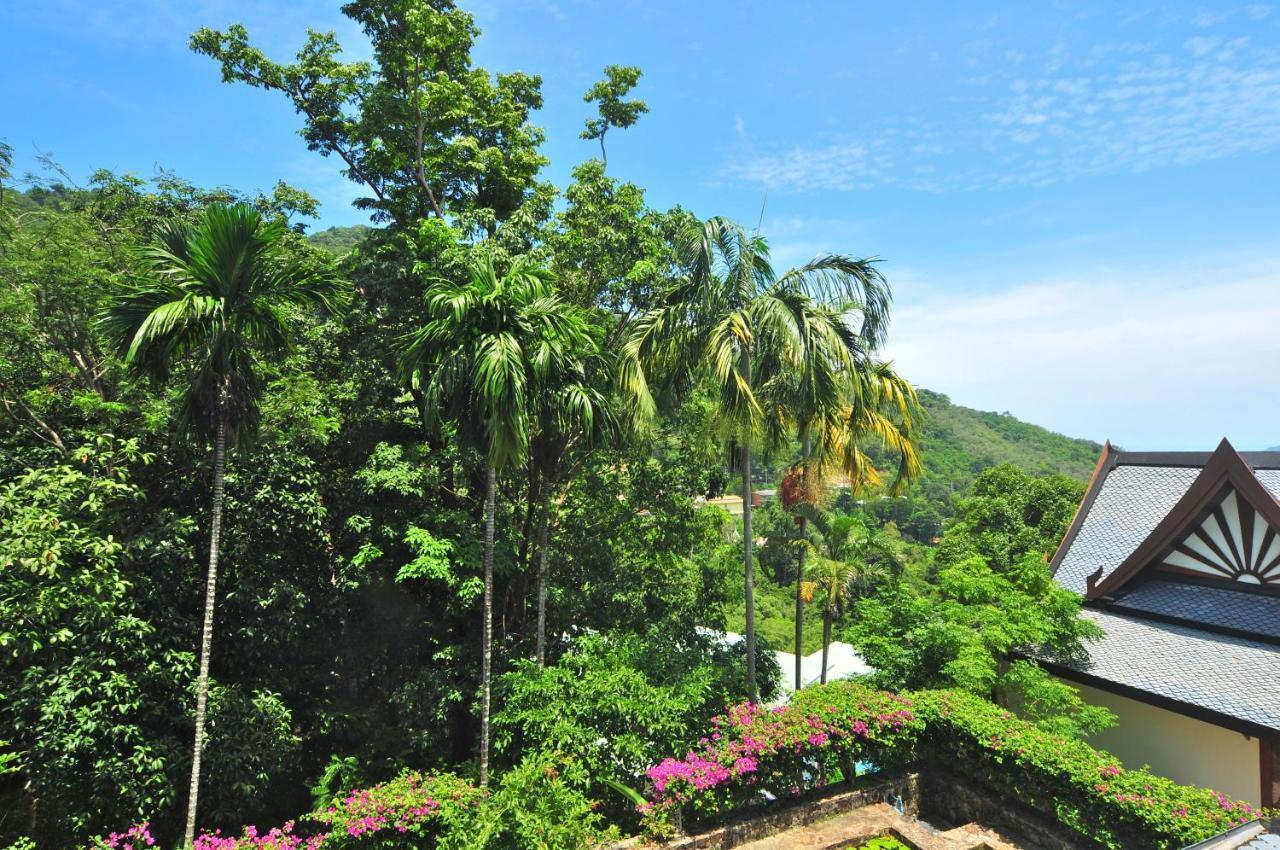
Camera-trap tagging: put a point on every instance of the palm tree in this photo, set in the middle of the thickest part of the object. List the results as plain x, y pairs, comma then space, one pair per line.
571, 416
847, 562
836, 416
488, 347
219, 295
732, 319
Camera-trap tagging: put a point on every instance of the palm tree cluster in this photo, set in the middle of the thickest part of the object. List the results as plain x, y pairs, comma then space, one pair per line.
521, 377
790, 354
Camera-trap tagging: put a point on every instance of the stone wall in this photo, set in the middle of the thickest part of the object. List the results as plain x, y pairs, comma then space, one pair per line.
951, 798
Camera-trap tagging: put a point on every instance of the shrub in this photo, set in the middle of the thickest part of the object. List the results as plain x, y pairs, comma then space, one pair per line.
1085, 789
539, 805
753, 754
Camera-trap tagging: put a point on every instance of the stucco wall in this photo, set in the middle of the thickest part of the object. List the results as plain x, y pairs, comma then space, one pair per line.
1179, 747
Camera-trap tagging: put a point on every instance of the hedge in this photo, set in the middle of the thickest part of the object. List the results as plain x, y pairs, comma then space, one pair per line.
755, 754
538, 805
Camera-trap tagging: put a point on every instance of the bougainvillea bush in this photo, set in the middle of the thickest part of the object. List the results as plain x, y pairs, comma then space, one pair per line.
753, 754
538, 805
1085, 789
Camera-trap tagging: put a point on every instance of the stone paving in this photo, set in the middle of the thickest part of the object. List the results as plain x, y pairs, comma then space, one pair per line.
851, 829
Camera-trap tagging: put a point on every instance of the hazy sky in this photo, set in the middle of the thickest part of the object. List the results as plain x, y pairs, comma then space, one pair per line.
1077, 204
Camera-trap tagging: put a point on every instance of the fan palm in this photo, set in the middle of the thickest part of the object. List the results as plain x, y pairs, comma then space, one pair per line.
732, 319
489, 347
218, 296
846, 562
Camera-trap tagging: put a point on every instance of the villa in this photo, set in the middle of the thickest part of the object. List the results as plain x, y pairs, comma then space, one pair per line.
1177, 557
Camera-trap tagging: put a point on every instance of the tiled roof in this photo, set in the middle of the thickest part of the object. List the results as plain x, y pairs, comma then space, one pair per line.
1133, 498
1131, 503
1232, 676
1214, 606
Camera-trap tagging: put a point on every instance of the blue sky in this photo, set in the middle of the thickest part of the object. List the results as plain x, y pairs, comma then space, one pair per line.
1076, 203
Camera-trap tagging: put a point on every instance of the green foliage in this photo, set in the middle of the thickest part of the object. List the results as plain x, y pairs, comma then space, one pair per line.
987, 598
617, 703
752, 754
957, 444
1085, 789
609, 96
826, 728
883, 843
419, 127
339, 241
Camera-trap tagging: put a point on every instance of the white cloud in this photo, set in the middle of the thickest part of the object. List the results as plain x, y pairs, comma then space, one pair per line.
1108, 355
1090, 109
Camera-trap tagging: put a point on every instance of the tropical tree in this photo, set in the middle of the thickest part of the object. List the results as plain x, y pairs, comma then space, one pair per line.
836, 416
848, 560
219, 295
733, 321
608, 95
571, 416
488, 348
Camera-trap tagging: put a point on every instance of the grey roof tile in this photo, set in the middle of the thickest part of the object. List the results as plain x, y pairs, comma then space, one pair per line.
1232, 676
1131, 503
1214, 606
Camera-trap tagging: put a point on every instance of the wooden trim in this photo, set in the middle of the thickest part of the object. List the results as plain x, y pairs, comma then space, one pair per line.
1224, 467
1268, 751
1195, 712
1106, 462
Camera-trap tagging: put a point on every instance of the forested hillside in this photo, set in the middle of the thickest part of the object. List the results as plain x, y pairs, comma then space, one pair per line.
959, 442
339, 240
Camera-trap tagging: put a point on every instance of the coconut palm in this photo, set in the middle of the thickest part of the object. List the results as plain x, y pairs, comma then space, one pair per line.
219, 295
847, 561
836, 417
734, 321
489, 346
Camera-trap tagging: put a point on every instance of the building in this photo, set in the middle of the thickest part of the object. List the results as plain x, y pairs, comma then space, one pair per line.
1177, 556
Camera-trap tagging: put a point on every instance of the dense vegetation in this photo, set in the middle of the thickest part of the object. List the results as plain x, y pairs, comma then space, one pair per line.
751, 752
417, 508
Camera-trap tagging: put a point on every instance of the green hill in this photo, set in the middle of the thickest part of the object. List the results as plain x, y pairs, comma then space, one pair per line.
958, 443
339, 240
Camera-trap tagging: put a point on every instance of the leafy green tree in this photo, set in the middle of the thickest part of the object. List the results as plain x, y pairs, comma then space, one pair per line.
736, 323
426, 132
614, 110
220, 295
988, 603
487, 349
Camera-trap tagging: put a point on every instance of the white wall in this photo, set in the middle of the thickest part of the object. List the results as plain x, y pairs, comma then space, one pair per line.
1184, 749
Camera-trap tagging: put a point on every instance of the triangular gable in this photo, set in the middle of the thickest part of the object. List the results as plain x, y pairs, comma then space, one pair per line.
1225, 528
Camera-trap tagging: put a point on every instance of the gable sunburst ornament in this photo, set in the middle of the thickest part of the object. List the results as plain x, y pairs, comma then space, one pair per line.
1225, 528
1233, 542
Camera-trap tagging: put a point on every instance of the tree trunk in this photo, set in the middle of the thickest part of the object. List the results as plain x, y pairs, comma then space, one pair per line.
542, 584
206, 638
804, 486
490, 488
749, 573
826, 643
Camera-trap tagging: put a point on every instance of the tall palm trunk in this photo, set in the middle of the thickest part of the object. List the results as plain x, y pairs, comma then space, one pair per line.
826, 643
486, 664
206, 637
749, 574
542, 584
804, 523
